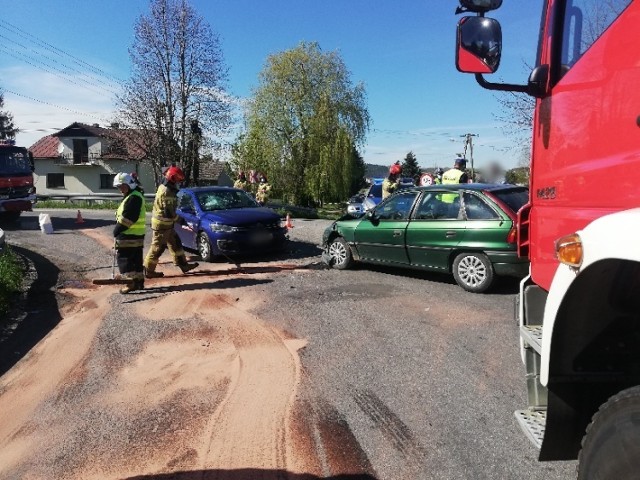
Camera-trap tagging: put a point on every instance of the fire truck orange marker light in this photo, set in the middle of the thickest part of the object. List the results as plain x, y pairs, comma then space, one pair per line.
569, 250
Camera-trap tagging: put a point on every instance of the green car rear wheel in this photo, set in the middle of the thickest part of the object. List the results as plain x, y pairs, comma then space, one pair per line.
473, 271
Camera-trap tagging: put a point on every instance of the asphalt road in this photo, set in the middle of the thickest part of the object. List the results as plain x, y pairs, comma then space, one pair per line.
404, 374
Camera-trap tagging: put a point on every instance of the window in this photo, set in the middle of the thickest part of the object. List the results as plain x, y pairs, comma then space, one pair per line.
80, 151
106, 180
477, 209
584, 22
433, 208
55, 180
185, 202
396, 207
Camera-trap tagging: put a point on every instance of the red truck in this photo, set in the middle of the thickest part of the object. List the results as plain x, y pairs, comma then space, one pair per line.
579, 309
17, 193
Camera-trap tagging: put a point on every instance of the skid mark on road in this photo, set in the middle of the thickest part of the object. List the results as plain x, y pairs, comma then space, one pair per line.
392, 428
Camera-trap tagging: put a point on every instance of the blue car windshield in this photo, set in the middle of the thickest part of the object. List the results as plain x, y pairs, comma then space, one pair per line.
224, 200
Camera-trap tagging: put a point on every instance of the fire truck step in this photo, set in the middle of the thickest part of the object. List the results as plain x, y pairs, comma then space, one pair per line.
532, 335
532, 423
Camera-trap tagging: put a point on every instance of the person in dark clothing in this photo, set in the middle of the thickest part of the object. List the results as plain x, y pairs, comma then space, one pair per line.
129, 232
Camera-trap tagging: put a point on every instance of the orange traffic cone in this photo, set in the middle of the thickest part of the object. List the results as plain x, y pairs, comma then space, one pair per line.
288, 222
79, 218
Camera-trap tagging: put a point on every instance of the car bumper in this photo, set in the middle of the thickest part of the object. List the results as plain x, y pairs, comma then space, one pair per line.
248, 243
508, 264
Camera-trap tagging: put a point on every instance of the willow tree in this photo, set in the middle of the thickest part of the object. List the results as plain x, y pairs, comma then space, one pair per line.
175, 95
303, 123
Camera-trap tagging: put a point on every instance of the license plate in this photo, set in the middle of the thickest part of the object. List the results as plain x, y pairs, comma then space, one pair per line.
262, 237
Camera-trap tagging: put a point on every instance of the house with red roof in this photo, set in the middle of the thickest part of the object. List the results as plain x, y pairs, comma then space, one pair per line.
83, 159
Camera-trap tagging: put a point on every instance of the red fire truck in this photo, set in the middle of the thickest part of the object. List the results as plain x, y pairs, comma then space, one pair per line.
17, 193
579, 309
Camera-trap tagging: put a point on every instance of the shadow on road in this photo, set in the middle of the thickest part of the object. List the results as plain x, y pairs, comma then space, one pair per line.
247, 474
22, 331
59, 223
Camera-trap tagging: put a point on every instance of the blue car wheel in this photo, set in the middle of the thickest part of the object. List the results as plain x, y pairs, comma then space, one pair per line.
204, 247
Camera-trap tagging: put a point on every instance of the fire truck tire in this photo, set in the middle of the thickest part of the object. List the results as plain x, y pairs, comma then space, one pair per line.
10, 217
473, 271
611, 445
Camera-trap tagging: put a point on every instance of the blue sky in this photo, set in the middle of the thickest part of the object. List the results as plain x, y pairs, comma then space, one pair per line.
403, 51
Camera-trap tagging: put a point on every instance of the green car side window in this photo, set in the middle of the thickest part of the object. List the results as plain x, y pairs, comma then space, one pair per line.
433, 208
477, 209
397, 207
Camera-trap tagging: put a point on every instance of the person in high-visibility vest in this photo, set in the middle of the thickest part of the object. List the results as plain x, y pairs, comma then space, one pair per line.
162, 220
129, 232
454, 175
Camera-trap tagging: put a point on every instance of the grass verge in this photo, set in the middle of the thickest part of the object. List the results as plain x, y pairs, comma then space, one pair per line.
11, 276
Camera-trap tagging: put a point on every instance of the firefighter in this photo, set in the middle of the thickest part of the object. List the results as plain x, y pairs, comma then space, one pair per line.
162, 220
264, 189
438, 176
129, 231
241, 182
390, 184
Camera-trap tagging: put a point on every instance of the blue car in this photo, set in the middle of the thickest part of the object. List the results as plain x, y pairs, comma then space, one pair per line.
220, 221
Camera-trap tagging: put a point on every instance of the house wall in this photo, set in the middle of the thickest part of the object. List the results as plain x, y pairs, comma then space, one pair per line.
85, 179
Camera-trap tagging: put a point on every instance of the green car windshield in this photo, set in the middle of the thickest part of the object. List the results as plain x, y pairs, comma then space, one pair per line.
221, 200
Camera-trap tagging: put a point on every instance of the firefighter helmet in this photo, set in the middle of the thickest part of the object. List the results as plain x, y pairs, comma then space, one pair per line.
124, 179
174, 174
395, 169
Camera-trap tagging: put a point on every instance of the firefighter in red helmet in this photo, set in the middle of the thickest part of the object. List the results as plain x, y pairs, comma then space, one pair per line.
390, 184
162, 220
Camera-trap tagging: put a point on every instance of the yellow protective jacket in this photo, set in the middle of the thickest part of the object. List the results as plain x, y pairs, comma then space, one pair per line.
388, 187
164, 207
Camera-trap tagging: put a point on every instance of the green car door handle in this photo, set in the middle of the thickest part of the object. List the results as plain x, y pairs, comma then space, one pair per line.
450, 233
397, 233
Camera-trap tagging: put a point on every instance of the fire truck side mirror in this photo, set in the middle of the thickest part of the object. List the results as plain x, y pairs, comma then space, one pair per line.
480, 6
539, 81
478, 45
31, 162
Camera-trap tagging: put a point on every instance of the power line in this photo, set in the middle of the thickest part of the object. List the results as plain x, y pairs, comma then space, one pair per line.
23, 58
56, 50
57, 106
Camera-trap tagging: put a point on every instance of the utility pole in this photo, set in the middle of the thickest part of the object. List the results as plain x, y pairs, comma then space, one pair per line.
468, 142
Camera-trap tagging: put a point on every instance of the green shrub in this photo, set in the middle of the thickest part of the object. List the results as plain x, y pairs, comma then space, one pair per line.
11, 276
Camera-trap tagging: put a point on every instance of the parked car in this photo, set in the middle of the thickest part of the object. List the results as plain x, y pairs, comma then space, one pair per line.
217, 221
468, 230
354, 205
373, 196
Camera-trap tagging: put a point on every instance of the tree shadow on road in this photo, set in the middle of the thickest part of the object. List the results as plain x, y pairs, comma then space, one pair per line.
247, 474
22, 331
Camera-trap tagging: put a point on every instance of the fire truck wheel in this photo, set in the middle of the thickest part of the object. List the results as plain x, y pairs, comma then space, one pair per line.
340, 254
473, 271
611, 445
9, 217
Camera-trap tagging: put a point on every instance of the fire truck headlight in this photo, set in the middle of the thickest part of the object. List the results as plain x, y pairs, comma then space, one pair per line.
569, 250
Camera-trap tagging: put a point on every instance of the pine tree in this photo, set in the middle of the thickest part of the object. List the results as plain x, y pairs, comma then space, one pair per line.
410, 167
7, 128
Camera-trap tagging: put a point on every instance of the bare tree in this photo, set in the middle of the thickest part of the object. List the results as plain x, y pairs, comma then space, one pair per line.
177, 83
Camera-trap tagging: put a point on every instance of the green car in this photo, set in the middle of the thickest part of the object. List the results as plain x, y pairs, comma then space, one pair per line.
468, 230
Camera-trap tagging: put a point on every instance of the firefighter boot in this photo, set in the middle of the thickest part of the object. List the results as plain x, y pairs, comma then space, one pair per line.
137, 284
151, 273
187, 267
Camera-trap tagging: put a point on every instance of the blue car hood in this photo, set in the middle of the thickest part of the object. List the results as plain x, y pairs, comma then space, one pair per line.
242, 216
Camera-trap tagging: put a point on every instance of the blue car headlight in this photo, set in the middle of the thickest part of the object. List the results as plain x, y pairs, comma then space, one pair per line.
220, 227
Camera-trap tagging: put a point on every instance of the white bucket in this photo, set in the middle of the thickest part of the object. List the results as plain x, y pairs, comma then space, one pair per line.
45, 223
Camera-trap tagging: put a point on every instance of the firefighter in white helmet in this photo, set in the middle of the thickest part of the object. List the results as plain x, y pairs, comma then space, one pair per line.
129, 231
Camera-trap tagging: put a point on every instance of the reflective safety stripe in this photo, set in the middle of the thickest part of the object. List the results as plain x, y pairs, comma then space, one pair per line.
129, 242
